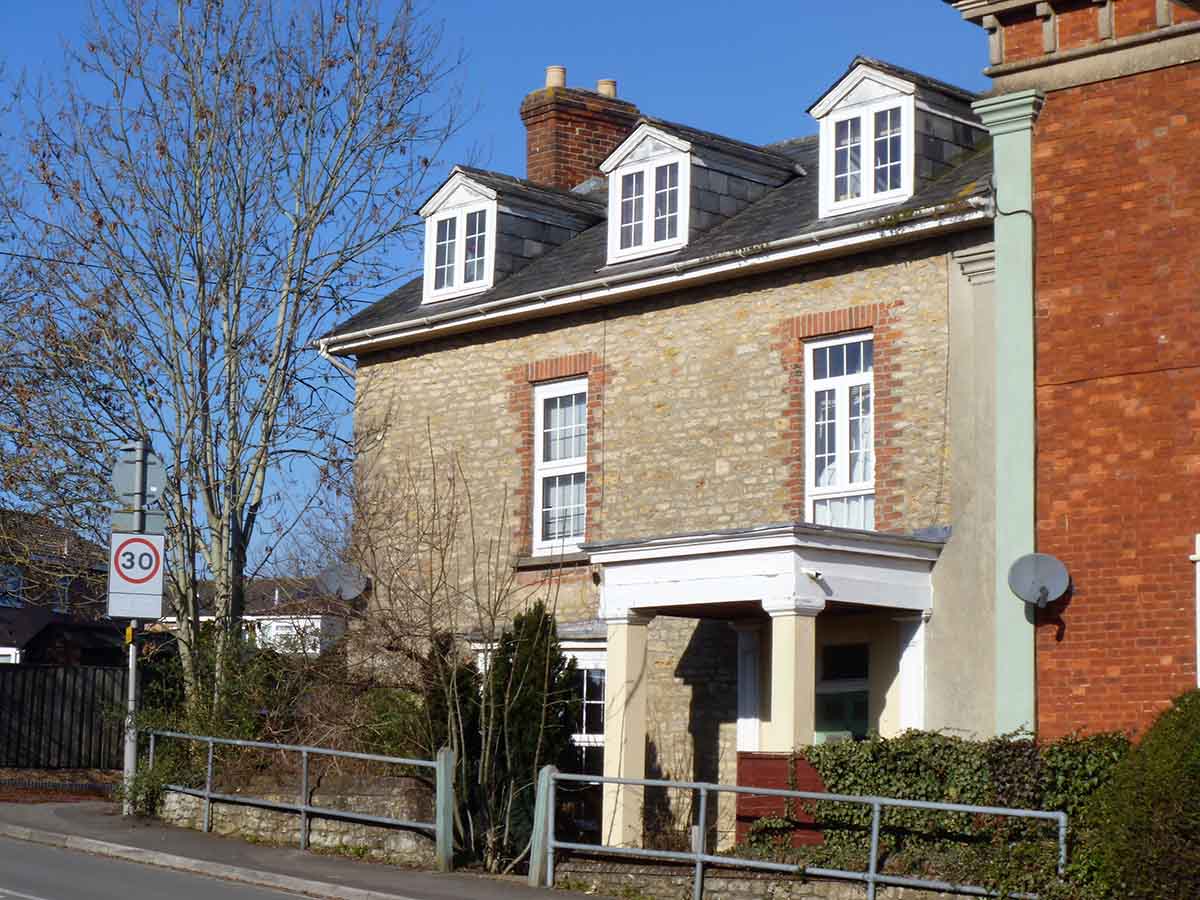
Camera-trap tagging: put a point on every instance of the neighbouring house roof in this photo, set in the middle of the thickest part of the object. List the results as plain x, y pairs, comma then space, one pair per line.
283, 596
20, 625
32, 537
789, 211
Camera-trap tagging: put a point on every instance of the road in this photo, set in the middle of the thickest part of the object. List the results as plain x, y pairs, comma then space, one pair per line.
34, 872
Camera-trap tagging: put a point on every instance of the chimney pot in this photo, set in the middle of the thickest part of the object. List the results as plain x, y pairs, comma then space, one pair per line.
606, 87
556, 76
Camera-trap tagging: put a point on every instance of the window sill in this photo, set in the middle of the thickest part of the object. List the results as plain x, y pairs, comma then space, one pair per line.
552, 561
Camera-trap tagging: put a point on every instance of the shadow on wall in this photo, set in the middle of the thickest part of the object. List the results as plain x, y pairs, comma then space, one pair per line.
707, 668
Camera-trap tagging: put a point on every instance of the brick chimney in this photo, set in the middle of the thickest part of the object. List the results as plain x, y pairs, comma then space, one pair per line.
570, 131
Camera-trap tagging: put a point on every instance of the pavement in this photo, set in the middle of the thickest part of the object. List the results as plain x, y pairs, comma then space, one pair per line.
99, 829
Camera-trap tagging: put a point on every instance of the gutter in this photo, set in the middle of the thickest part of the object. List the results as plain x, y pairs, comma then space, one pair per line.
596, 291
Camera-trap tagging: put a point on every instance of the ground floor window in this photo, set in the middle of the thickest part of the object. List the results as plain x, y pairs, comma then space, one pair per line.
843, 694
580, 805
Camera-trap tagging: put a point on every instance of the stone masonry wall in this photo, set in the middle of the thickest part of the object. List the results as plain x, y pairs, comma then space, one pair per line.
1118, 395
695, 422
664, 882
400, 798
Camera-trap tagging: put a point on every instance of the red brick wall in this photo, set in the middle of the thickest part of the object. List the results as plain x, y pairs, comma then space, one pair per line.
1022, 36
569, 132
520, 403
1135, 17
1078, 25
770, 770
1117, 204
880, 319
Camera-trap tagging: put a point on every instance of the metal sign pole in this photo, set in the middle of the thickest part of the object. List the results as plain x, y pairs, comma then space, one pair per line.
130, 721
139, 526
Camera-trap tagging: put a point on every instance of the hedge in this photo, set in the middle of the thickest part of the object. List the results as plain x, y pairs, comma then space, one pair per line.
999, 853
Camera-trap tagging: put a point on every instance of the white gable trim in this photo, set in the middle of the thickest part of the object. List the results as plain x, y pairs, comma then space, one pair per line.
459, 183
631, 143
860, 73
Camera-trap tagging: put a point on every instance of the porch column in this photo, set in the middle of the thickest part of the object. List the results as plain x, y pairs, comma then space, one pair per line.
792, 719
625, 728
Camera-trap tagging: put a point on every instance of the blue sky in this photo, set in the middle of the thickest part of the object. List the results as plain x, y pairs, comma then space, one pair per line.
747, 70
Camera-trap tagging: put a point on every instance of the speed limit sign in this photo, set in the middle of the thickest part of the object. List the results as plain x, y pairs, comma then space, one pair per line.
135, 576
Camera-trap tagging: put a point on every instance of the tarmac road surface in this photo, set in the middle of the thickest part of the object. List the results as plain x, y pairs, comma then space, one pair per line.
33, 872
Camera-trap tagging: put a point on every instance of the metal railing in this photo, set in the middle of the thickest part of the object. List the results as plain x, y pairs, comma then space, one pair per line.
541, 866
442, 827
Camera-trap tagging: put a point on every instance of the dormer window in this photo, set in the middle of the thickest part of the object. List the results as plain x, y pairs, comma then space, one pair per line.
665, 204
868, 126
886, 155
870, 158
457, 247
460, 239
648, 181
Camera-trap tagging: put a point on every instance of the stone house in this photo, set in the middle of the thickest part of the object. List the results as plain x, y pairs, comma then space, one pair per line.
738, 402
1094, 110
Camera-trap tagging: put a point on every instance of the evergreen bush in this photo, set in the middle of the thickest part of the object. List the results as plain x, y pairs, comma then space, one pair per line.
1141, 832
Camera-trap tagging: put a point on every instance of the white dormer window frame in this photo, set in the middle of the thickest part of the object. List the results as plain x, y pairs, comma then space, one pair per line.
873, 122
648, 195
460, 240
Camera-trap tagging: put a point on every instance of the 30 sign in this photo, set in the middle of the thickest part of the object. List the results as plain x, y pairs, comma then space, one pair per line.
135, 576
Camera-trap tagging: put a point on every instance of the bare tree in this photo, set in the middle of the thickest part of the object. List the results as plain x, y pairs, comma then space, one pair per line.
215, 183
444, 589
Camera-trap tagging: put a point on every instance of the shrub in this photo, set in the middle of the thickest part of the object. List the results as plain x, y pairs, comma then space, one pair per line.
1141, 832
1001, 853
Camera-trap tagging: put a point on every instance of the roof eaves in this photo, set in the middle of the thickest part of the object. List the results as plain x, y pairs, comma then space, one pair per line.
890, 224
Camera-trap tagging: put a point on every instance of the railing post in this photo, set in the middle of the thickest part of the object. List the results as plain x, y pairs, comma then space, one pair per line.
873, 866
208, 778
551, 811
699, 848
444, 812
303, 799
540, 842
1062, 843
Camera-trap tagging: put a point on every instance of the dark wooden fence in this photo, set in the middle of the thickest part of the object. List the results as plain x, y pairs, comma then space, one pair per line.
61, 717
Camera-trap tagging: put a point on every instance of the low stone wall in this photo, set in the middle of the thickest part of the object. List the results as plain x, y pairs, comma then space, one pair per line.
667, 882
398, 798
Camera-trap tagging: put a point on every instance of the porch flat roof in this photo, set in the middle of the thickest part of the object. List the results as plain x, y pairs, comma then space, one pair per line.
803, 533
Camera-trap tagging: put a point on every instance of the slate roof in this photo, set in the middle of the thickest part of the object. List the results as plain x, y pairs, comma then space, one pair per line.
788, 211
933, 84
767, 156
519, 188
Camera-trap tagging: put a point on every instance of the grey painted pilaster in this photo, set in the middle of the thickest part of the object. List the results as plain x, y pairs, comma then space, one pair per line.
1010, 119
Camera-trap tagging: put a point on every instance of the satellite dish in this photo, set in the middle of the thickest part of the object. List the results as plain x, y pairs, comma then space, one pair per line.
1038, 579
342, 581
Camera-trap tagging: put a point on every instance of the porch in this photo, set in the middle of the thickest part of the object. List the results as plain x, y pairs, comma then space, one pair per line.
829, 629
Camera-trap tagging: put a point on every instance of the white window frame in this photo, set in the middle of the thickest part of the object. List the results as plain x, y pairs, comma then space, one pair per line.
542, 469
595, 659
459, 214
866, 112
649, 246
841, 385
